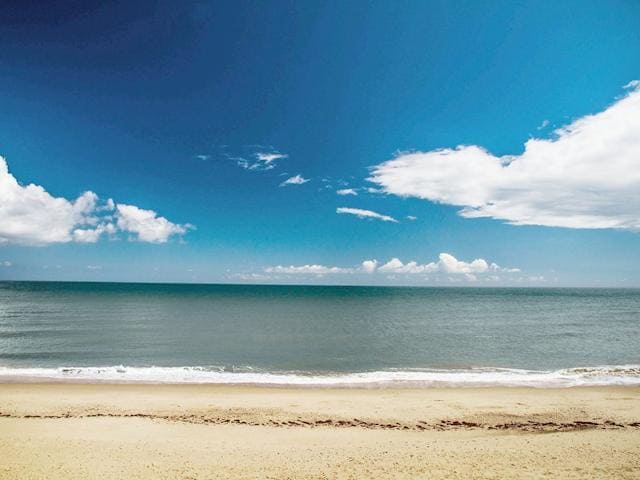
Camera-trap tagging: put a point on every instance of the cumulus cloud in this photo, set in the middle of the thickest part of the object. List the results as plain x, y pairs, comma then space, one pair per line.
92, 235
347, 191
396, 266
29, 215
446, 263
295, 180
586, 176
360, 213
369, 266
307, 270
146, 225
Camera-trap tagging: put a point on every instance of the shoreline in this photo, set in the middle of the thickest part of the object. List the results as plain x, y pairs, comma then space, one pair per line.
408, 386
144, 431
470, 377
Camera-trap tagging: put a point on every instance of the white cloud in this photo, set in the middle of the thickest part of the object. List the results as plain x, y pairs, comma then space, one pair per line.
369, 266
446, 263
538, 278
347, 191
360, 213
269, 157
295, 180
146, 224
109, 205
497, 268
92, 235
396, 266
587, 176
450, 264
307, 269
261, 161
6, 263
411, 217
543, 125
251, 277
29, 215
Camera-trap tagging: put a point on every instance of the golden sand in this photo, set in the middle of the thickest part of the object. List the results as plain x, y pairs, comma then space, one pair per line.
83, 431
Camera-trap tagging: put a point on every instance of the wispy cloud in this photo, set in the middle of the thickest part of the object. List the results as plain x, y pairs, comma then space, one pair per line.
260, 161
543, 125
360, 213
251, 277
257, 158
307, 270
269, 157
586, 176
347, 191
295, 180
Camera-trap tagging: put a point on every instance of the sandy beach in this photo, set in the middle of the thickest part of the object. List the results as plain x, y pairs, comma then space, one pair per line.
69, 431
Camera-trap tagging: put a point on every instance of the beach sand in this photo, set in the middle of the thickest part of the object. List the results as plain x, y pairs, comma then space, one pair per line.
86, 431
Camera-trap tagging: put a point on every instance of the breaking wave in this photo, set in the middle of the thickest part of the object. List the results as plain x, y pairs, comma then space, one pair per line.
472, 377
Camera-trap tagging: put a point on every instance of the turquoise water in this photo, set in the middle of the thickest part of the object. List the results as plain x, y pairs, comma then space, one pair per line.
315, 334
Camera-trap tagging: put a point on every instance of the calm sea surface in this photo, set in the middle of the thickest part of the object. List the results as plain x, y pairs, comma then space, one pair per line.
314, 334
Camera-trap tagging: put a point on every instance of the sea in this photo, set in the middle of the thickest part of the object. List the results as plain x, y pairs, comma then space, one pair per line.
318, 335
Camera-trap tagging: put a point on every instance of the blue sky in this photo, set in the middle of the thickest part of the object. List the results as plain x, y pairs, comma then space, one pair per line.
192, 116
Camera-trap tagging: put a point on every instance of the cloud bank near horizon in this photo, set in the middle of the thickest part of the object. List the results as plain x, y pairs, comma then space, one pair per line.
446, 264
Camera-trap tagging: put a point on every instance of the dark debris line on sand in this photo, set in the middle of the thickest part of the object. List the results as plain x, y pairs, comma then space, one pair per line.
528, 426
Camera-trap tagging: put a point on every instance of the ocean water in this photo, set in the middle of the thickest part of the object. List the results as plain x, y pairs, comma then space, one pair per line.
316, 335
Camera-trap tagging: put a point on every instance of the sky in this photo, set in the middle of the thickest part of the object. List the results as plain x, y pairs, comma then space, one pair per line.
400, 143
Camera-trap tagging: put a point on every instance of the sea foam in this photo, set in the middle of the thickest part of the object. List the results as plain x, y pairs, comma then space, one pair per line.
628, 375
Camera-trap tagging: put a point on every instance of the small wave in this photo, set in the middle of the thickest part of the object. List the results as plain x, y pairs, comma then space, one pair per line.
472, 377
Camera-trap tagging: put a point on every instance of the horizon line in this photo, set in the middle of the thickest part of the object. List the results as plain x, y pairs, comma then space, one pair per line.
467, 286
